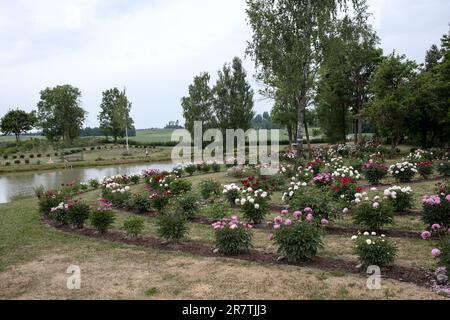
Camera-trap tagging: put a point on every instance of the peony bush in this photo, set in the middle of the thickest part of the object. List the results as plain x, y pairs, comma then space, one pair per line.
403, 171
372, 213
401, 197
255, 205
232, 236
436, 209
374, 171
374, 250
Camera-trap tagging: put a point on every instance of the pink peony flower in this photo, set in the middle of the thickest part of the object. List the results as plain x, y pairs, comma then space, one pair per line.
308, 210
297, 214
309, 217
233, 226
324, 222
447, 197
278, 219
436, 226
288, 222
276, 226
435, 252
426, 235
345, 211
270, 237
431, 200
284, 212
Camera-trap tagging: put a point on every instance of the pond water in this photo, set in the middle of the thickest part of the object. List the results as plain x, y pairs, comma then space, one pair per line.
23, 184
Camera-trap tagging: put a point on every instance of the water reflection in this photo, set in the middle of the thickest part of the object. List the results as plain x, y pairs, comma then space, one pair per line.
22, 184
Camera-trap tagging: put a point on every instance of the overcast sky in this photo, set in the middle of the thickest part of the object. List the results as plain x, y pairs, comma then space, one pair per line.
154, 47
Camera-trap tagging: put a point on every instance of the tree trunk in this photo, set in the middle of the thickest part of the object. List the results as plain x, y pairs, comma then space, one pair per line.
355, 131
307, 140
360, 129
301, 100
17, 138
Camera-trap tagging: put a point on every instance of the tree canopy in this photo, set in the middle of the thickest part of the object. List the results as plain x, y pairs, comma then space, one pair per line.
17, 122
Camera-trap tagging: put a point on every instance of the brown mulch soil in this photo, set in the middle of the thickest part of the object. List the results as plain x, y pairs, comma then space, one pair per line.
417, 276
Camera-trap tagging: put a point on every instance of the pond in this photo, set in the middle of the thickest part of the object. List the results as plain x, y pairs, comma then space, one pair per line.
23, 184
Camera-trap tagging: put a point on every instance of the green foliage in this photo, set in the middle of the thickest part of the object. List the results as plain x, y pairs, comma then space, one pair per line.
115, 117
59, 216
172, 226
94, 183
437, 213
322, 203
78, 213
188, 205
443, 168
444, 246
257, 211
102, 219
133, 226
190, 169
17, 122
140, 203
371, 217
298, 241
374, 171
232, 240
180, 186
135, 179
215, 167
48, 200
218, 210
60, 114
372, 250
209, 188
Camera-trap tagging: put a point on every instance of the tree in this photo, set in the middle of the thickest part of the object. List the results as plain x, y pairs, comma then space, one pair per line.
391, 88
197, 106
233, 98
287, 45
60, 114
350, 60
115, 115
17, 122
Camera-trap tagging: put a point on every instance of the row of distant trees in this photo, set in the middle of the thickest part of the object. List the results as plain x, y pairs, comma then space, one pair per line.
60, 116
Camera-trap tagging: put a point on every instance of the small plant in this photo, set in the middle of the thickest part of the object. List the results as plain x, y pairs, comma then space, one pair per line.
180, 186
444, 168
22, 156
133, 226
31, 156
190, 169
231, 193
373, 214
374, 171
255, 206
215, 167
232, 237
7, 163
172, 227
218, 210
323, 179
344, 188
160, 199
401, 197
209, 188
315, 166
188, 205
425, 168
59, 214
17, 161
27, 161
297, 238
374, 250
94, 183
102, 217
140, 203
77, 213
403, 171
204, 167
117, 194
48, 199
436, 209
135, 179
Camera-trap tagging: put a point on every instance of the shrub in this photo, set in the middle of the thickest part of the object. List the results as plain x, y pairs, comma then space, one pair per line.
7, 163
436, 209
190, 169
204, 167
140, 203
59, 214
94, 183
374, 171
135, 179
14, 156
218, 211
215, 167
403, 171
315, 166
48, 199
444, 168
160, 199
444, 257
27, 161
77, 213
373, 214
17, 161
401, 198
118, 195
39, 155
38, 162
172, 226
188, 204
22, 156
322, 203
232, 237
425, 168
84, 186
5, 156
31, 156
133, 226
209, 188
297, 238
255, 206
180, 186
373, 250
231, 193
102, 217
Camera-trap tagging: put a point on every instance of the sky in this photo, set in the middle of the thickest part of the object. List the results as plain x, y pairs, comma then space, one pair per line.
154, 48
